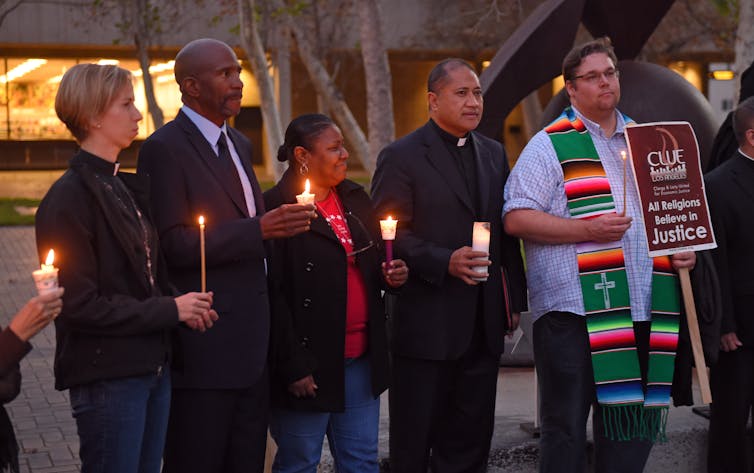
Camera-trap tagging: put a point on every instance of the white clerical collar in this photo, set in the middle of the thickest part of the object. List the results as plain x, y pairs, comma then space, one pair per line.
209, 130
461, 141
745, 155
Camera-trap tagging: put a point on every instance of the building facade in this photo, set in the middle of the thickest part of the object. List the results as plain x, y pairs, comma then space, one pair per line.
39, 42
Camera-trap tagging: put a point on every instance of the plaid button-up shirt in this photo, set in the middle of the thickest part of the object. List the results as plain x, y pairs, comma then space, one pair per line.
536, 182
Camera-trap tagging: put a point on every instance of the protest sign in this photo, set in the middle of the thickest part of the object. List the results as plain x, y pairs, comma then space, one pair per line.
668, 177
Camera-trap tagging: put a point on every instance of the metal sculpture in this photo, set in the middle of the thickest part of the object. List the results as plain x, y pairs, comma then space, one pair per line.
533, 54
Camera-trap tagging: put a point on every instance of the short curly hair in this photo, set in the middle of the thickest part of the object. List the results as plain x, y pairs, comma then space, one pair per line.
574, 57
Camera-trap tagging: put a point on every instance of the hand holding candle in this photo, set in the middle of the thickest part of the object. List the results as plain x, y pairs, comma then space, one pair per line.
387, 227
305, 197
46, 278
625, 171
203, 256
480, 241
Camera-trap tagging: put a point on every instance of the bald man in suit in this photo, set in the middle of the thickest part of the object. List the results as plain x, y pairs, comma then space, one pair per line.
198, 165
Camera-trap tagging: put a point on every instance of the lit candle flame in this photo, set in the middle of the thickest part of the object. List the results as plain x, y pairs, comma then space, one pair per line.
623, 155
306, 187
50, 258
201, 220
389, 218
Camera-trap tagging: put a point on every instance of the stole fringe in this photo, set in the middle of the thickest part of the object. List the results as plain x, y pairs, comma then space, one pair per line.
634, 421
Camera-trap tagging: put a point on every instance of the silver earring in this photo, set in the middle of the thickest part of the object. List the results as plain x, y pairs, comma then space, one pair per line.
304, 169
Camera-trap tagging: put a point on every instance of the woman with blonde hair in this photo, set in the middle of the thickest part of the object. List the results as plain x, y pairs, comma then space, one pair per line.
114, 333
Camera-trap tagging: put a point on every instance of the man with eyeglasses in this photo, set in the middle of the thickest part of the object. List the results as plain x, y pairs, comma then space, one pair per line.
448, 326
589, 275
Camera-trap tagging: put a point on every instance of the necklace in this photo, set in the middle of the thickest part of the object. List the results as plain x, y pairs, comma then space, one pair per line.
330, 208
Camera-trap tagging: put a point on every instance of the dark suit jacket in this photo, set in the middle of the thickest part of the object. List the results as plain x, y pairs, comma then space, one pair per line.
418, 182
309, 300
187, 181
730, 192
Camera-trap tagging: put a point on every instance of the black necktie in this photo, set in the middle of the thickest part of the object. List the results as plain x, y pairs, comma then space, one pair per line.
229, 168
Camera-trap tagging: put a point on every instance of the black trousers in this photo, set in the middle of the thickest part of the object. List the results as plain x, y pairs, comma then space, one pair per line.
566, 383
732, 383
442, 412
218, 430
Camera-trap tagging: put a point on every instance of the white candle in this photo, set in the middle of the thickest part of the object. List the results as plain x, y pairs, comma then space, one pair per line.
203, 256
480, 241
623, 157
46, 278
305, 197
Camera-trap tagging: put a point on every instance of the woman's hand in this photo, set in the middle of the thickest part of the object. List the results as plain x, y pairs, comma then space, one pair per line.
304, 387
36, 314
395, 273
195, 309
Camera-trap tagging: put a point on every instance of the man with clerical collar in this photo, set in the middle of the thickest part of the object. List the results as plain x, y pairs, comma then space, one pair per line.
448, 324
590, 278
731, 201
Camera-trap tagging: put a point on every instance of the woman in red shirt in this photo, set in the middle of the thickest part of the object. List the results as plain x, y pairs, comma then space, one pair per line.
330, 353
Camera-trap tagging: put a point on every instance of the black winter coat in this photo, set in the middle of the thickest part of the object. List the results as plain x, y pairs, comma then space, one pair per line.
308, 278
113, 325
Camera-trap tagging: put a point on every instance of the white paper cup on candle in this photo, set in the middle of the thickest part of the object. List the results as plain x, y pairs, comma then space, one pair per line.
46, 278
480, 241
46, 281
387, 228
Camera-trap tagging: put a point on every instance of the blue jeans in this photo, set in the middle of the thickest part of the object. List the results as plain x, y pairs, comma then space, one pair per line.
352, 434
122, 423
566, 382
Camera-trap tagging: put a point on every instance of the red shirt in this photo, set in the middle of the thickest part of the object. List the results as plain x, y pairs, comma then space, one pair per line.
356, 298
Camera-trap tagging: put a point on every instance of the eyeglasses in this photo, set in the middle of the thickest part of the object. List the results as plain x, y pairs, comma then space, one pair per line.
363, 229
594, 77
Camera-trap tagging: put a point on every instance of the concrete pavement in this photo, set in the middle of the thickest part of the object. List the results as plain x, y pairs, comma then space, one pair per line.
47, 433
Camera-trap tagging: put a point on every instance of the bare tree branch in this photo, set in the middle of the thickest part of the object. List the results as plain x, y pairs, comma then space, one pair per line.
380, 122
325, 87
12, 6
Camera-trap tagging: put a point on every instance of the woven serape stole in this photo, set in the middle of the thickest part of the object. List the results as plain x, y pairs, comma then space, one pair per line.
604, 286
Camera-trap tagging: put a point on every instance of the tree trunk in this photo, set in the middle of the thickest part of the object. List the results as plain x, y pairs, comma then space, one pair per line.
252, 44
281, 59
380, 124
141, 41
326, 88
744, 46
154, 109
